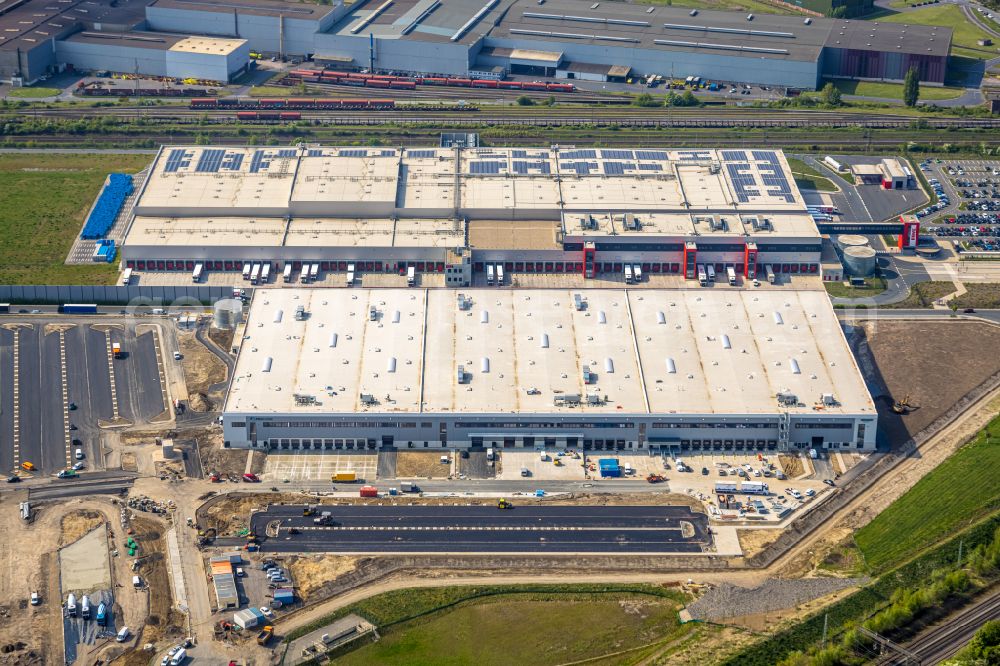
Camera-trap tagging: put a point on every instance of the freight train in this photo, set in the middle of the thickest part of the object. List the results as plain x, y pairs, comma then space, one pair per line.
409, 83
241, 103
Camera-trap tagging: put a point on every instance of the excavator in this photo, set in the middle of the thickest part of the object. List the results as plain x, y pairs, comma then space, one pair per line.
903, 406
504, 504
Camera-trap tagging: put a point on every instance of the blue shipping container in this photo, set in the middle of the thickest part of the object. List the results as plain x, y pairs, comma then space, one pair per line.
285, 595
609, 467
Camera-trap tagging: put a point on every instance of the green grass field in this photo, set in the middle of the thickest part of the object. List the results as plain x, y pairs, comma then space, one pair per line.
923, 295
873, 285
43, 201
892, 90
32, 93
958, 492
966, 33
521, 629
809, 178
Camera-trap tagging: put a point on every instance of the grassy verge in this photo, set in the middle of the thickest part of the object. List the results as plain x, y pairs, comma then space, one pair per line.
985, 295
809, 178
923, 295
893, 90
965, 35
273, 91
43, 201
32, 93
837, 619
873, 285
391, 608
550, 630
958, 492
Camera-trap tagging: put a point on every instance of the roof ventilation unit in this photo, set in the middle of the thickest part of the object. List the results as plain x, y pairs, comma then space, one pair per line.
796, 370
726, 344
579, 303
390, 365
545, 341
631, 222
671, 366
333, 339
266, 367
828, 399
484, 365
395, 316
777, 318
787, 399
661, 318
602, 318
484, 317
609, 366
464, 302
368, 399
567, 399
277, 316
460, 375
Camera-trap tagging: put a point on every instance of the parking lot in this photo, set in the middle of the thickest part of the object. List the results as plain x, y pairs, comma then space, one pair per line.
867, 203
319, 466
552, 467
970, 193
59, 384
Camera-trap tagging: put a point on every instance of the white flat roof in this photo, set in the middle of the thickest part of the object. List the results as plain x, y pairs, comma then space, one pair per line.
493, 183
686, 351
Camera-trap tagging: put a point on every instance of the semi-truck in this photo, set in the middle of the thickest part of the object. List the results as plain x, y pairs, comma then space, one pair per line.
71, 604
255, 274
702, 275
770, 273
628, 273
265, 272
314, 272
116, 349
637, 273
710, 269
85, 607
247, 267
499, 275
286, 275
344, 477
489, 274
126, 277
350, 275
196, 274
731, 274
411, 276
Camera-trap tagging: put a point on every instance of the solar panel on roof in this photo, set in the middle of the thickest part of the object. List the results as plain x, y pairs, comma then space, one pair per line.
174, 160
233, 161
734, 155
420, 153
486, 167
579, 154
617, 154
314, 152
650, 155
210, 160
693, 155
286, 153
650, 167
257, 162
352, 153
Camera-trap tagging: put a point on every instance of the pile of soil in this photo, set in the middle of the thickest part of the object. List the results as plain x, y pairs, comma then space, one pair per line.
199, 402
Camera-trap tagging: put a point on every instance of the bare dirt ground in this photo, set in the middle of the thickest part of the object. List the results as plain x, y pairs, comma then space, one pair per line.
77, 523
754, 541
790, 465
202, 369
421, 464
935, 363
222, 337
702, 646
311, 573
164, 621
227, 462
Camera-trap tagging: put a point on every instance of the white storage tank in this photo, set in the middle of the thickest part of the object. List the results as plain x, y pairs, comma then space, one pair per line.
859, 261
851, 240
227, 313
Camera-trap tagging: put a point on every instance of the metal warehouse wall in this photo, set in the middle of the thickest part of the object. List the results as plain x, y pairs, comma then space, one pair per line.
114, 56
408, 55
32, 63
742, 69
260, 31
854, 63
135, 295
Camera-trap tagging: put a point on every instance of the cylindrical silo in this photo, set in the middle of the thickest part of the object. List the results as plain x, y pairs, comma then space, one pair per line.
859, 261
851, 240
228, 312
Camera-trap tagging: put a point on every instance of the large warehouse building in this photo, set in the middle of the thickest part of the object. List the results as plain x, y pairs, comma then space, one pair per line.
538, 210
597, 369
488, 38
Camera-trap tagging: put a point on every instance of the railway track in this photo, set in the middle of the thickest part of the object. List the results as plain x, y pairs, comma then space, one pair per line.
941, 642
599, 117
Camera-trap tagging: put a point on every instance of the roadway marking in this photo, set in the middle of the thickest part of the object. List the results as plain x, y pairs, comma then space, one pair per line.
479, 528
111, 372
17, 401
65, 395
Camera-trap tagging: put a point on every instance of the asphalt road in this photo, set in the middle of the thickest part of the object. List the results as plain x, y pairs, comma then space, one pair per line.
6, 400
137, 377
486, 529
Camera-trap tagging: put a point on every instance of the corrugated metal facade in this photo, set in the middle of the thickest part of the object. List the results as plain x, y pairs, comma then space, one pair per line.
863, 64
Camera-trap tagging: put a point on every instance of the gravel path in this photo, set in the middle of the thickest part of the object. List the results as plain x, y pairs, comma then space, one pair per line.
728, 600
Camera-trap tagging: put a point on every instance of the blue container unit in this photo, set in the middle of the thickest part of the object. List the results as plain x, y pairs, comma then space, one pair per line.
102, 216
609, 467
285, 595
105, 251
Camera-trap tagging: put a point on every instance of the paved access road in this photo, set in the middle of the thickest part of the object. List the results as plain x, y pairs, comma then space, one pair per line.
525, 529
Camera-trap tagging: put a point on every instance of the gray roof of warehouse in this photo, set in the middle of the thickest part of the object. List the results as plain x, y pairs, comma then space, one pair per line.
136, 40
636, 26
303, 10
674, 28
